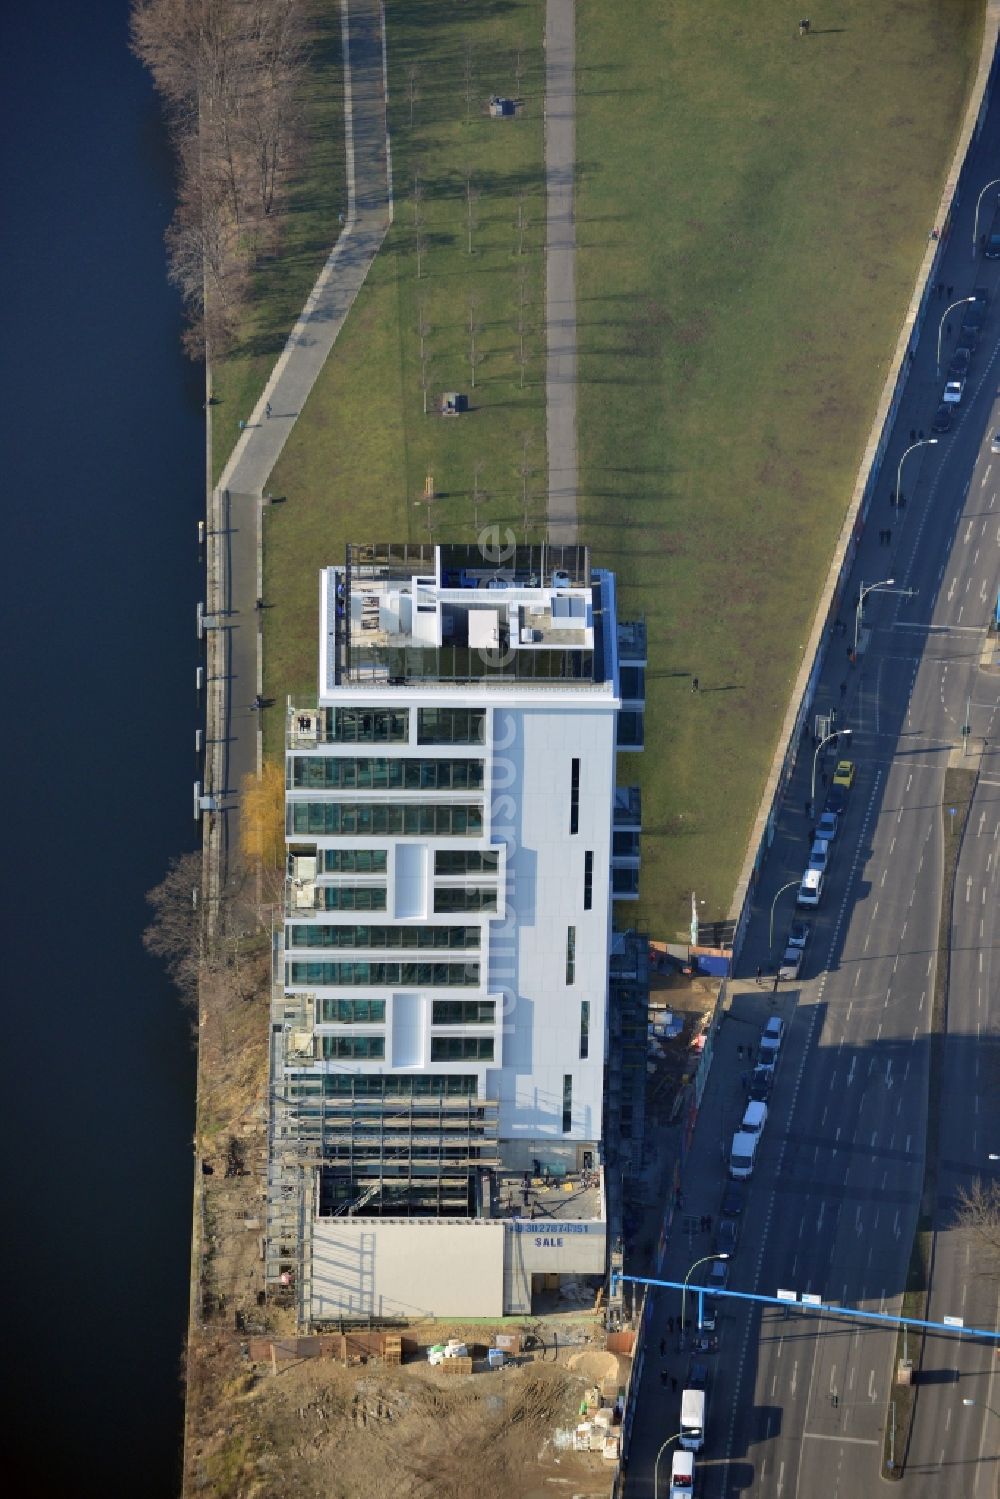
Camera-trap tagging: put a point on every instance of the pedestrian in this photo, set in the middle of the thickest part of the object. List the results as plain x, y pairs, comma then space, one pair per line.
913, 434
759, 973
900, 500
259, 605
949, 292
267, 409
664, 1376
670, 1324
673, 1384
694, 684
888, 537
774, 989
920, 434
739, 1052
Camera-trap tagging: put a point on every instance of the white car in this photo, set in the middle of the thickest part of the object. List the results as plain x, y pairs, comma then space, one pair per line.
995, 443
953, 392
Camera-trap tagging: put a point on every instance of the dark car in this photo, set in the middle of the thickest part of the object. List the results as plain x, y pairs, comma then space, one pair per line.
836, 799
733, 1200
727, 1236
942, 418
958, 369
761, 1083
697, 1375
975, 312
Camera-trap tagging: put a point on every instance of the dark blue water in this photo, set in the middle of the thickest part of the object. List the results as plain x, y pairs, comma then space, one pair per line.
102, 476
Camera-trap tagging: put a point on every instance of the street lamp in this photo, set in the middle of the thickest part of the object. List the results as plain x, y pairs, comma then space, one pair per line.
960, 303
925, 442
872, 587
835, 735
975, 222
656, 1465
770, 935
703, 1261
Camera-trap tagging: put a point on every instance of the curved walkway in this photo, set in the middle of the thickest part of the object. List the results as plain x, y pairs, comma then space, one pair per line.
560, 267
234, 662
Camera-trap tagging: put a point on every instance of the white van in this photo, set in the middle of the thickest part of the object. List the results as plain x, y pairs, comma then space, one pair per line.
743, 1155
811, 889
754, 1119
692, 1437
682, 1476
819, 855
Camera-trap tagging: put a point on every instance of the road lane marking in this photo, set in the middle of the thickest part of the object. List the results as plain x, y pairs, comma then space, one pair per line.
826, 1436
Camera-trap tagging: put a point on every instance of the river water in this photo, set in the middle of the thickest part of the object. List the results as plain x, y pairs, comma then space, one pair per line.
102, 474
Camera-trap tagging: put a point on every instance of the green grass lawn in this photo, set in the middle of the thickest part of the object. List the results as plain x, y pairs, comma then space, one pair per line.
355, 466
282, 281
752, 208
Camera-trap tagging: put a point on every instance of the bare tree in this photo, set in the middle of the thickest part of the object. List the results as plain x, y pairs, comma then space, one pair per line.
979, 1212
523, 321
412, 92
522, 219
175, 932
423, 328
424, 379
526, 469
471, 199
469, 77
478, 493
475, 327
517, 63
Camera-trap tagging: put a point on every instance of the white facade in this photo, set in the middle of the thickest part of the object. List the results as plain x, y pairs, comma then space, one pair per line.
449, 812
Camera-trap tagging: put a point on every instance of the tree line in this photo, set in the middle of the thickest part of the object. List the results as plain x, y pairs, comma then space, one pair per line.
229, 73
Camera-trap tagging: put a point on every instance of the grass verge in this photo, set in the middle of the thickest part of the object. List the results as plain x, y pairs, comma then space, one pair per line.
356, 464
283, 279
751, 210
959, 788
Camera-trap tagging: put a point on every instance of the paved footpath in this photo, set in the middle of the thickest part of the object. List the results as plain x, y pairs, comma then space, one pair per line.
560, 267
237, 501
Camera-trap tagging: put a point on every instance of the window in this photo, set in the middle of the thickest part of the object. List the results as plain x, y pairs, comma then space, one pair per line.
450, 725
463, 1012
409, 975
317, 934
632, 682
354, 860
372, 1085
588, 880
451, 899
584, 1029
367, 726
570, 954
625, 845
461, 1048
354, 897
360, 1047
466, 861
352, 1011
336, 772
567, 1117
385, 819
574, 797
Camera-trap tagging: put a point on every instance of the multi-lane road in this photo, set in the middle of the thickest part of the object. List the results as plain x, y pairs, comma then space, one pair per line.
797, 1404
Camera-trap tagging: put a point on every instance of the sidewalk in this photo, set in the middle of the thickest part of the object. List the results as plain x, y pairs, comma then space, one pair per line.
560, 267
236, 668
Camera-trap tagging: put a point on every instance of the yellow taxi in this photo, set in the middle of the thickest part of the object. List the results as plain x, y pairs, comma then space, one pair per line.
844, 774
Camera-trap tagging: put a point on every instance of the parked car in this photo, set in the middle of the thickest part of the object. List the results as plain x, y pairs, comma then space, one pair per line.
761, 1082
718, 1275
995, 443
697, 1374
791, 965
709, 1315
727, 1236
942, 419
953, 392
819, 855
958, 369
733, 1200
770, 1041
836, 800
826, 828
798, 932
844, 774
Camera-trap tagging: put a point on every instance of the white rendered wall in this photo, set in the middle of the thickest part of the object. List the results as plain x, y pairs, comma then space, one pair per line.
365, 1267
533, 749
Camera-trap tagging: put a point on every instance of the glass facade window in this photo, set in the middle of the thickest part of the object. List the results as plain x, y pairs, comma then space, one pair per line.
354, 897
385, 819
343, 772
463, 1012
570, 954
355, 860
466, 861
352, 1011
588, 880
317, 934
403, 975
371, 1085
567, 1108
359, 1048
584, 1029
367, 726
450, 725
450, 899
461, 1048
574, 797
632, 683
